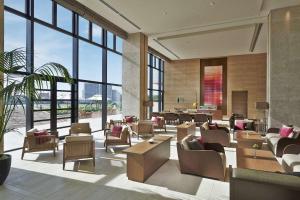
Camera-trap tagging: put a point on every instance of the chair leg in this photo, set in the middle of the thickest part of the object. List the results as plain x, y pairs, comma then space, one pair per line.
64, 165
23, 151
94, 162
106, 148
54, 152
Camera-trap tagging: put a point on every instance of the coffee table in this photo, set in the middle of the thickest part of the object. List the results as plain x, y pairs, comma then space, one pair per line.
246, 139
144, 158
264, 160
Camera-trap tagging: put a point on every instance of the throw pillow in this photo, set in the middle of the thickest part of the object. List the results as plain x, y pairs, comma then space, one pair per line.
129, 119
116, 131
285, 131
205, 126
195, 145
239, 124
40, 136
200, 140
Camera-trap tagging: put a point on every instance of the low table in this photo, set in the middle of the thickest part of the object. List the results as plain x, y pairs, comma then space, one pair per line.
264, 160
185, 129
144, 158
246, 139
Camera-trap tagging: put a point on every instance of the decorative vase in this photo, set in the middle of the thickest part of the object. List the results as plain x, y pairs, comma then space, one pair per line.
5, 164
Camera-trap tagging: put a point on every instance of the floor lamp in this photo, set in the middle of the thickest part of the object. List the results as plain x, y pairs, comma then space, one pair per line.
264, 107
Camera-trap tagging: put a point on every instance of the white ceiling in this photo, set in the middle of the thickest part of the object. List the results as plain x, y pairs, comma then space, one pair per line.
183, 29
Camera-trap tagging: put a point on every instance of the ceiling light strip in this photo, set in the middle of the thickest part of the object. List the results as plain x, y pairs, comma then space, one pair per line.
255, 36
120, 14
166, 48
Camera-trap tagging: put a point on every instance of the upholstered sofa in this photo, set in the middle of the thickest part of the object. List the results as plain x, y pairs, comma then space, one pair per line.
247, 184
210, 162
277, 143
291, 158
220, 135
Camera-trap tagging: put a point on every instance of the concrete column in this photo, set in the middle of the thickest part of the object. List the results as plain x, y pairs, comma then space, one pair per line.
134, 78
284, 66
1, 50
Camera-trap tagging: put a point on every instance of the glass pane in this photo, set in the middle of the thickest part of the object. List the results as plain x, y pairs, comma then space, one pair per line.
110, 40
149, 78
97, 34
63, 113
62, 123
14, 136
83, 27
114, 68
52, 46
64, 18
42, 125
14, 39
90, 104
61, 104
156, 100
44, 94
16, 4
90, 62
119, 44
41, 115
41, 105
114, 102
43, 10
63, 86
155, 79
162, 81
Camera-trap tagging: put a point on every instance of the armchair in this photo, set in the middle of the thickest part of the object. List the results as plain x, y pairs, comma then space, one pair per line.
171, 118
210, 162
143, 128
277, 143
220, 135
77, 128
159, 123
78, 147
32, 144
124, 138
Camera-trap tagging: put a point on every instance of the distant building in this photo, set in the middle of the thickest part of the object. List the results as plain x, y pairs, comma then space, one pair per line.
91, 89
116, 96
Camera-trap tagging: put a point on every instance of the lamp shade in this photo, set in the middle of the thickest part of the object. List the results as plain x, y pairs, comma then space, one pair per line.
262, 105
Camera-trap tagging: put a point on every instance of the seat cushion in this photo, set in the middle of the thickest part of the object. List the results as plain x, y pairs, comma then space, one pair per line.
270, 135
31, 132
116, 131
195, 145
291, 162
79, 138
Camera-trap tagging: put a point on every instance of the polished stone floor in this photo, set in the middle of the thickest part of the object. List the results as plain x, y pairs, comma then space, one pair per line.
40, 176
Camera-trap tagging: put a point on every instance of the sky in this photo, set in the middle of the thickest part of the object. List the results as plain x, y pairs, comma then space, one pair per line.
54, 46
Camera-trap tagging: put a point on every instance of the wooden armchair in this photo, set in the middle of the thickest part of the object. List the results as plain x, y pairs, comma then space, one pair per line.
109, 125
171, 118
143, 128
32, 144
124, 138
78, 147
159, 123
77, 128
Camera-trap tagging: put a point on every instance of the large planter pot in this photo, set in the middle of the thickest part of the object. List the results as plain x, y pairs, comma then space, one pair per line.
5, 163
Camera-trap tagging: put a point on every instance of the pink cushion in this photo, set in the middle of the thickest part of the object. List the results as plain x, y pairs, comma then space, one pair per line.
40, 136
116, 131
239, 124
156, 120
129, 119
285, 131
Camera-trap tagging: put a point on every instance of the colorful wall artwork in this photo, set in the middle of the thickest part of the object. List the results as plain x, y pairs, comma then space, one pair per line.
213, 85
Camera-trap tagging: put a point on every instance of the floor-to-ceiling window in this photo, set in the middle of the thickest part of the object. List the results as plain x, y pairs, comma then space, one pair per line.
155, 83
50, 32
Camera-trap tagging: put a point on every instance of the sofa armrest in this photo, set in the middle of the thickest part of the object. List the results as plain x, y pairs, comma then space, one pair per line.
214, 146
273, 130
282, 143
292, 149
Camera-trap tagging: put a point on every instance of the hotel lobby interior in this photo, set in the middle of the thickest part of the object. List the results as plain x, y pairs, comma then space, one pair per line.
140, 99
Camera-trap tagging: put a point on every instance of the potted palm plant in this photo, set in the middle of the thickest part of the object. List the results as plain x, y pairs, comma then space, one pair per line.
14, 92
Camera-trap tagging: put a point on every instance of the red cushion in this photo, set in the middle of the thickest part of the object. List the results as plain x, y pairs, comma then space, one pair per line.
129, 119
285, 131
239, 124
156, 120
40, 136
116, 131
213, 127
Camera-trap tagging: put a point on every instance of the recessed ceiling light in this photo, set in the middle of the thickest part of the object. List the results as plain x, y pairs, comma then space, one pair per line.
212, 3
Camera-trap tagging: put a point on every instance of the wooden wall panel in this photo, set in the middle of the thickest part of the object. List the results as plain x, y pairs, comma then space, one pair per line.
244, 72
247, 73
182, 79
